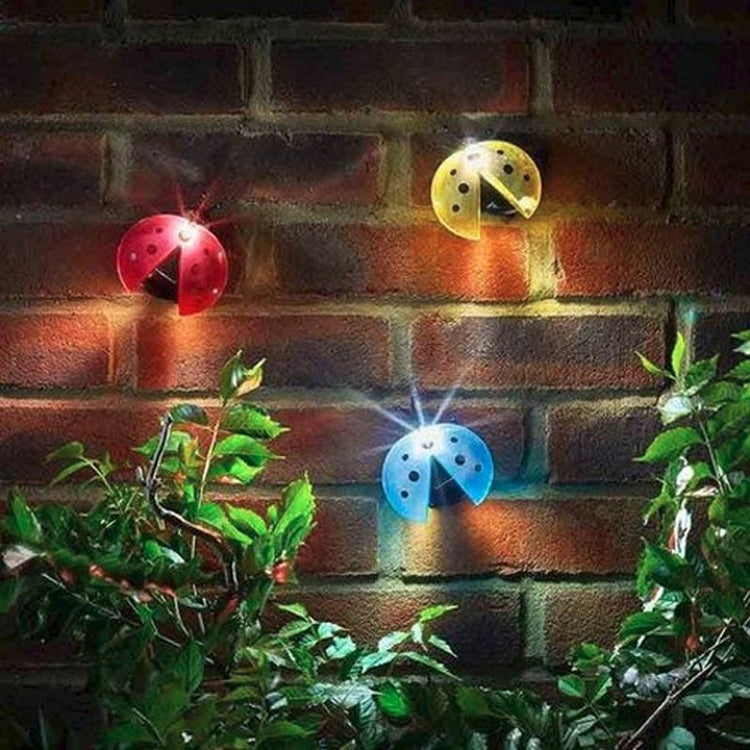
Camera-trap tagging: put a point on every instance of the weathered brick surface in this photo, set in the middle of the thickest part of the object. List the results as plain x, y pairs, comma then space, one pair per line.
598, 442
553, 352
419, 261
41, 350
488, 10
599, 259
344, 541
401, 75
574, 614
309, 350
51, 260
484, 631
626, 76
314, 168
578, 168
717, 168
58, 169
31, 428
42, 74
713, 335
529, 535
336, 445
356, 11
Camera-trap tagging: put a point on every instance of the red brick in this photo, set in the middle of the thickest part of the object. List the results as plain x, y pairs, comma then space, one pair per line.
335, 445
717, 168
501, 428
563, 10
344, 541
49, 260
601, 536
351, 11
305, 169
598, 443
598, 259
713, 335
484, 631
42, 74
626, 76
593, 351
31, 428
60, 11
576, 614
57, 169
415, 261
41, 350
733, 12
579, 167
401, 75
309, 350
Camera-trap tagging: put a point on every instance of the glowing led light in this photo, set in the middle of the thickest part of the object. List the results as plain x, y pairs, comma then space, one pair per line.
456, 186
436, 465
174, 258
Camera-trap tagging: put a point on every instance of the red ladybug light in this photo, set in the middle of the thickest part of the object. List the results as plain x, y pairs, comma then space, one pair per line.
174, 258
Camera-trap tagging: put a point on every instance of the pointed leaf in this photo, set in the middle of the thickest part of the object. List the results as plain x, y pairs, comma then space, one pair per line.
253, 421
670, 444
678, 354
69, 450
189, 413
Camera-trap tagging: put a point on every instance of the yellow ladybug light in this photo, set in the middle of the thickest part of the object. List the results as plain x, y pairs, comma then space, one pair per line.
456, 185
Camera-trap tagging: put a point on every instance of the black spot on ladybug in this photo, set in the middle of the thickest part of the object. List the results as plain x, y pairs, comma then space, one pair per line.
405, 457
404, 494
500, 151
463, 188
478, 468
460, 460
455, 208
159, 230
527, 177
454, 439
508, 169
195, 268
151, 249
414, 476
206, 252
453, 172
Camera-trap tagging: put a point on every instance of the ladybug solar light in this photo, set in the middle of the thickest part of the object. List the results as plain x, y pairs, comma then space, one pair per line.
435, 466
173, 258
490, 173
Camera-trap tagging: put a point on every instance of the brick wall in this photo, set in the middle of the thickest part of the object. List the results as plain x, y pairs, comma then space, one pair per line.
318, 125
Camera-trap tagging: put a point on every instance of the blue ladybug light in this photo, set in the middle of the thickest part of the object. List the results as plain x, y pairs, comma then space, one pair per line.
434, 466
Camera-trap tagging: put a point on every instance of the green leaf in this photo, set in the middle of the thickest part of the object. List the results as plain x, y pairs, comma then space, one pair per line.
67, 451
473, 701
391, 640
434, 612
9, 590
712, 697
740, 371
670, 444
188, 667
373, 661
572, 685
427, 661
439, 643
737, 680
233, 468
700, 374
189, 413
296, 609
641, 623
730, 419
650, 367
212, 514
393, 701
237, 380
253, 421
176, 441
678, 354
68, 471
679, 738
720, 392
298, 502
251, 450
246, 520
660, 566
20, 520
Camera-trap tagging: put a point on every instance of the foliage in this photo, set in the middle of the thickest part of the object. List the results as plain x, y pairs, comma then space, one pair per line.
163, 590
